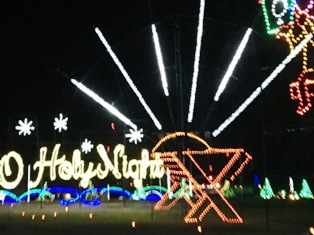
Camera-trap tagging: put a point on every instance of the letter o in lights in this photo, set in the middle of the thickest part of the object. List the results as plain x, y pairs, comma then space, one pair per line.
5, 170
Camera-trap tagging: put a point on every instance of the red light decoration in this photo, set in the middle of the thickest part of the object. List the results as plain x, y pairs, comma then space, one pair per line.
179, 172
294, 32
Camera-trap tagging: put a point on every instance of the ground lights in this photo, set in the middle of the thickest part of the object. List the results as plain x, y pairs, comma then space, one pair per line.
178, 171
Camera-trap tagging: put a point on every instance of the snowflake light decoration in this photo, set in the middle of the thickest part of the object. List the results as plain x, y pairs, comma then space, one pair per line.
87, 146
60, 123
135, 135
25, 128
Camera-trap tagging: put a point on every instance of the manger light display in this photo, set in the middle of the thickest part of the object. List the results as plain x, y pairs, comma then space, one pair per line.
288, 21
179, 173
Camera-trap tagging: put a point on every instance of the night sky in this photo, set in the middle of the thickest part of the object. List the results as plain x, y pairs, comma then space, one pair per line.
44, 43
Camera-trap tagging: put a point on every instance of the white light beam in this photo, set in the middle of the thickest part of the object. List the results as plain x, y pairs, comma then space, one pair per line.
128, 79
233, 64
103, 103
196, 60
263, 86
160, 61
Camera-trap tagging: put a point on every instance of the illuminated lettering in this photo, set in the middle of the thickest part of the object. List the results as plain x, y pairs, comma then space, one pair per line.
78, 169
5, 170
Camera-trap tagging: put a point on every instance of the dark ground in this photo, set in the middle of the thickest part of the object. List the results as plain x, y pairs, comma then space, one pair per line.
115, 217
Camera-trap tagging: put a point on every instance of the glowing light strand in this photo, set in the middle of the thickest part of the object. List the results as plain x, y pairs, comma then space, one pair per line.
180, 173
103, 103
196, 60
263, 86
160, 61
128, 79
233, 64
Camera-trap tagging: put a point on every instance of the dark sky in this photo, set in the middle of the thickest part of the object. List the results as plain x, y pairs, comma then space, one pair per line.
41, 38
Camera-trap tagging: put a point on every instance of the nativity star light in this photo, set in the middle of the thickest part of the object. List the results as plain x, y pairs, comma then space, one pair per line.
135, 135
61, 123
87, 146
25, 128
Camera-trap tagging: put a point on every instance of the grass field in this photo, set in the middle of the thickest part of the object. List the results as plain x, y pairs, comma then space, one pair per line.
115, 217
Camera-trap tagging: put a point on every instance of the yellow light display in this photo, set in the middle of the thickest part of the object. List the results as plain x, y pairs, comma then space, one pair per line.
78, 169
294, 32
179, 172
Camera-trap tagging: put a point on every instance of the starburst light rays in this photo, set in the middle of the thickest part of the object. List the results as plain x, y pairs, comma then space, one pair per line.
103, 103
233, 64
264, 85
128, 79
160, 61
196, 60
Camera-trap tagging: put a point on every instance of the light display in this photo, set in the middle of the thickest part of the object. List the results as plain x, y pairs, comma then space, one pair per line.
299, 24
77, 169
266, 191
233, 64
135, 135
160, 61
103, 103
277, 18
306, 192
61, 123
25, 127
45, 195
263, 86
226, 190
87, 146
128, 79
196, 59
179, 172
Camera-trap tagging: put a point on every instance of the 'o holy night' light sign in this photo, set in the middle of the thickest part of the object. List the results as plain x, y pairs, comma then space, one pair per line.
77, 169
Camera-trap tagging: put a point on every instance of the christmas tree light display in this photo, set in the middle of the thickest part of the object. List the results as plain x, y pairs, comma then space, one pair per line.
226, 190
306, 191
266, 191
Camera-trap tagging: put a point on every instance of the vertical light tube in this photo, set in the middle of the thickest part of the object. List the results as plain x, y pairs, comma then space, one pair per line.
196, 60
233, 64
160, 61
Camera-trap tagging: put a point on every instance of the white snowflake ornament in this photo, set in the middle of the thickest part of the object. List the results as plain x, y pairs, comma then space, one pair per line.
61, 123
87, 146
135, 135
25, 128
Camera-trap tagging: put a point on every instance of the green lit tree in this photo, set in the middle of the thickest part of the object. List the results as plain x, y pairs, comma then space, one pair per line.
92, 192
266, 191
306, 191
226, 190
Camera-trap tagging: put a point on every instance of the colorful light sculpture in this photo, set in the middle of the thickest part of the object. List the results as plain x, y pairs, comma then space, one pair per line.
293, 24
178, 172
264, 85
